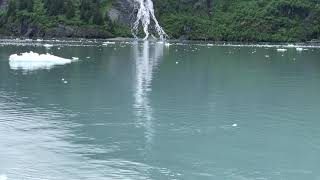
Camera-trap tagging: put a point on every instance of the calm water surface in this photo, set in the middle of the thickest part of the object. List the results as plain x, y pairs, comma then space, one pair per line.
147, 111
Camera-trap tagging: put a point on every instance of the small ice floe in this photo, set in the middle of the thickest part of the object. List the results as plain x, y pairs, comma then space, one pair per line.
88, 57
234, 125
75, 58
3, 177
65, 82
59, 48
209, 44
177, 62
48, 46
33, 61
282, 50
299, 49
108, 43
267, 56
39, 40
62, 79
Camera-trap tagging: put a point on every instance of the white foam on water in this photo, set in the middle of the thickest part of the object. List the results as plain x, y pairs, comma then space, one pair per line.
299, 49
75, 58
33, 61
234, 125
167, 44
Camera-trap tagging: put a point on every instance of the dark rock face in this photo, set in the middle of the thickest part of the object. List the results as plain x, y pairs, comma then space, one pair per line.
29, 30
122, 12
78, 32
3, 5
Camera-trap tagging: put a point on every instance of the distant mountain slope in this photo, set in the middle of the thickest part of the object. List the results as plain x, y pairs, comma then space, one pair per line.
226, 20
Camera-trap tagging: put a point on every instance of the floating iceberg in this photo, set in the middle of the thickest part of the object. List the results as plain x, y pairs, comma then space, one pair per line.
33, 61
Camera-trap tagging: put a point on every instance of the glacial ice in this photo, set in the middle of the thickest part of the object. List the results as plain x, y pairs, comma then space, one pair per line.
3, 177
33, 61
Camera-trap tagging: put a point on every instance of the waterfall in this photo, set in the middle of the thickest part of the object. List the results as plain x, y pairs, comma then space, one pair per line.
145, 15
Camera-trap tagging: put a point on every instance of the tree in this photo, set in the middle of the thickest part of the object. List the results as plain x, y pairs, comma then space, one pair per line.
210, 7
97, 16
12, 8
54, 7
25, 5
85, 10
69, 9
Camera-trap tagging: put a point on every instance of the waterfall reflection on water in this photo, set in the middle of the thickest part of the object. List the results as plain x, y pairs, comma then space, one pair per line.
147, 58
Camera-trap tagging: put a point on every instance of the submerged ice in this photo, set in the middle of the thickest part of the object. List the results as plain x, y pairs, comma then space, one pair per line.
145, 16
32, 61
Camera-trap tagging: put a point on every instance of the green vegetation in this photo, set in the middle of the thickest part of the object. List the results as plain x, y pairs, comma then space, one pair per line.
220, 20
242, 20
88, 17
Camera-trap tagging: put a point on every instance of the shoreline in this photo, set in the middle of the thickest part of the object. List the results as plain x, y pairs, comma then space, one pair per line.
94, 42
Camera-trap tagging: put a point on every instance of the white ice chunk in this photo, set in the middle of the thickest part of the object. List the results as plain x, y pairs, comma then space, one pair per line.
281, 50
48, 46
234, 125
108, 42
299, 49
3, 177
33, 61
75, 58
